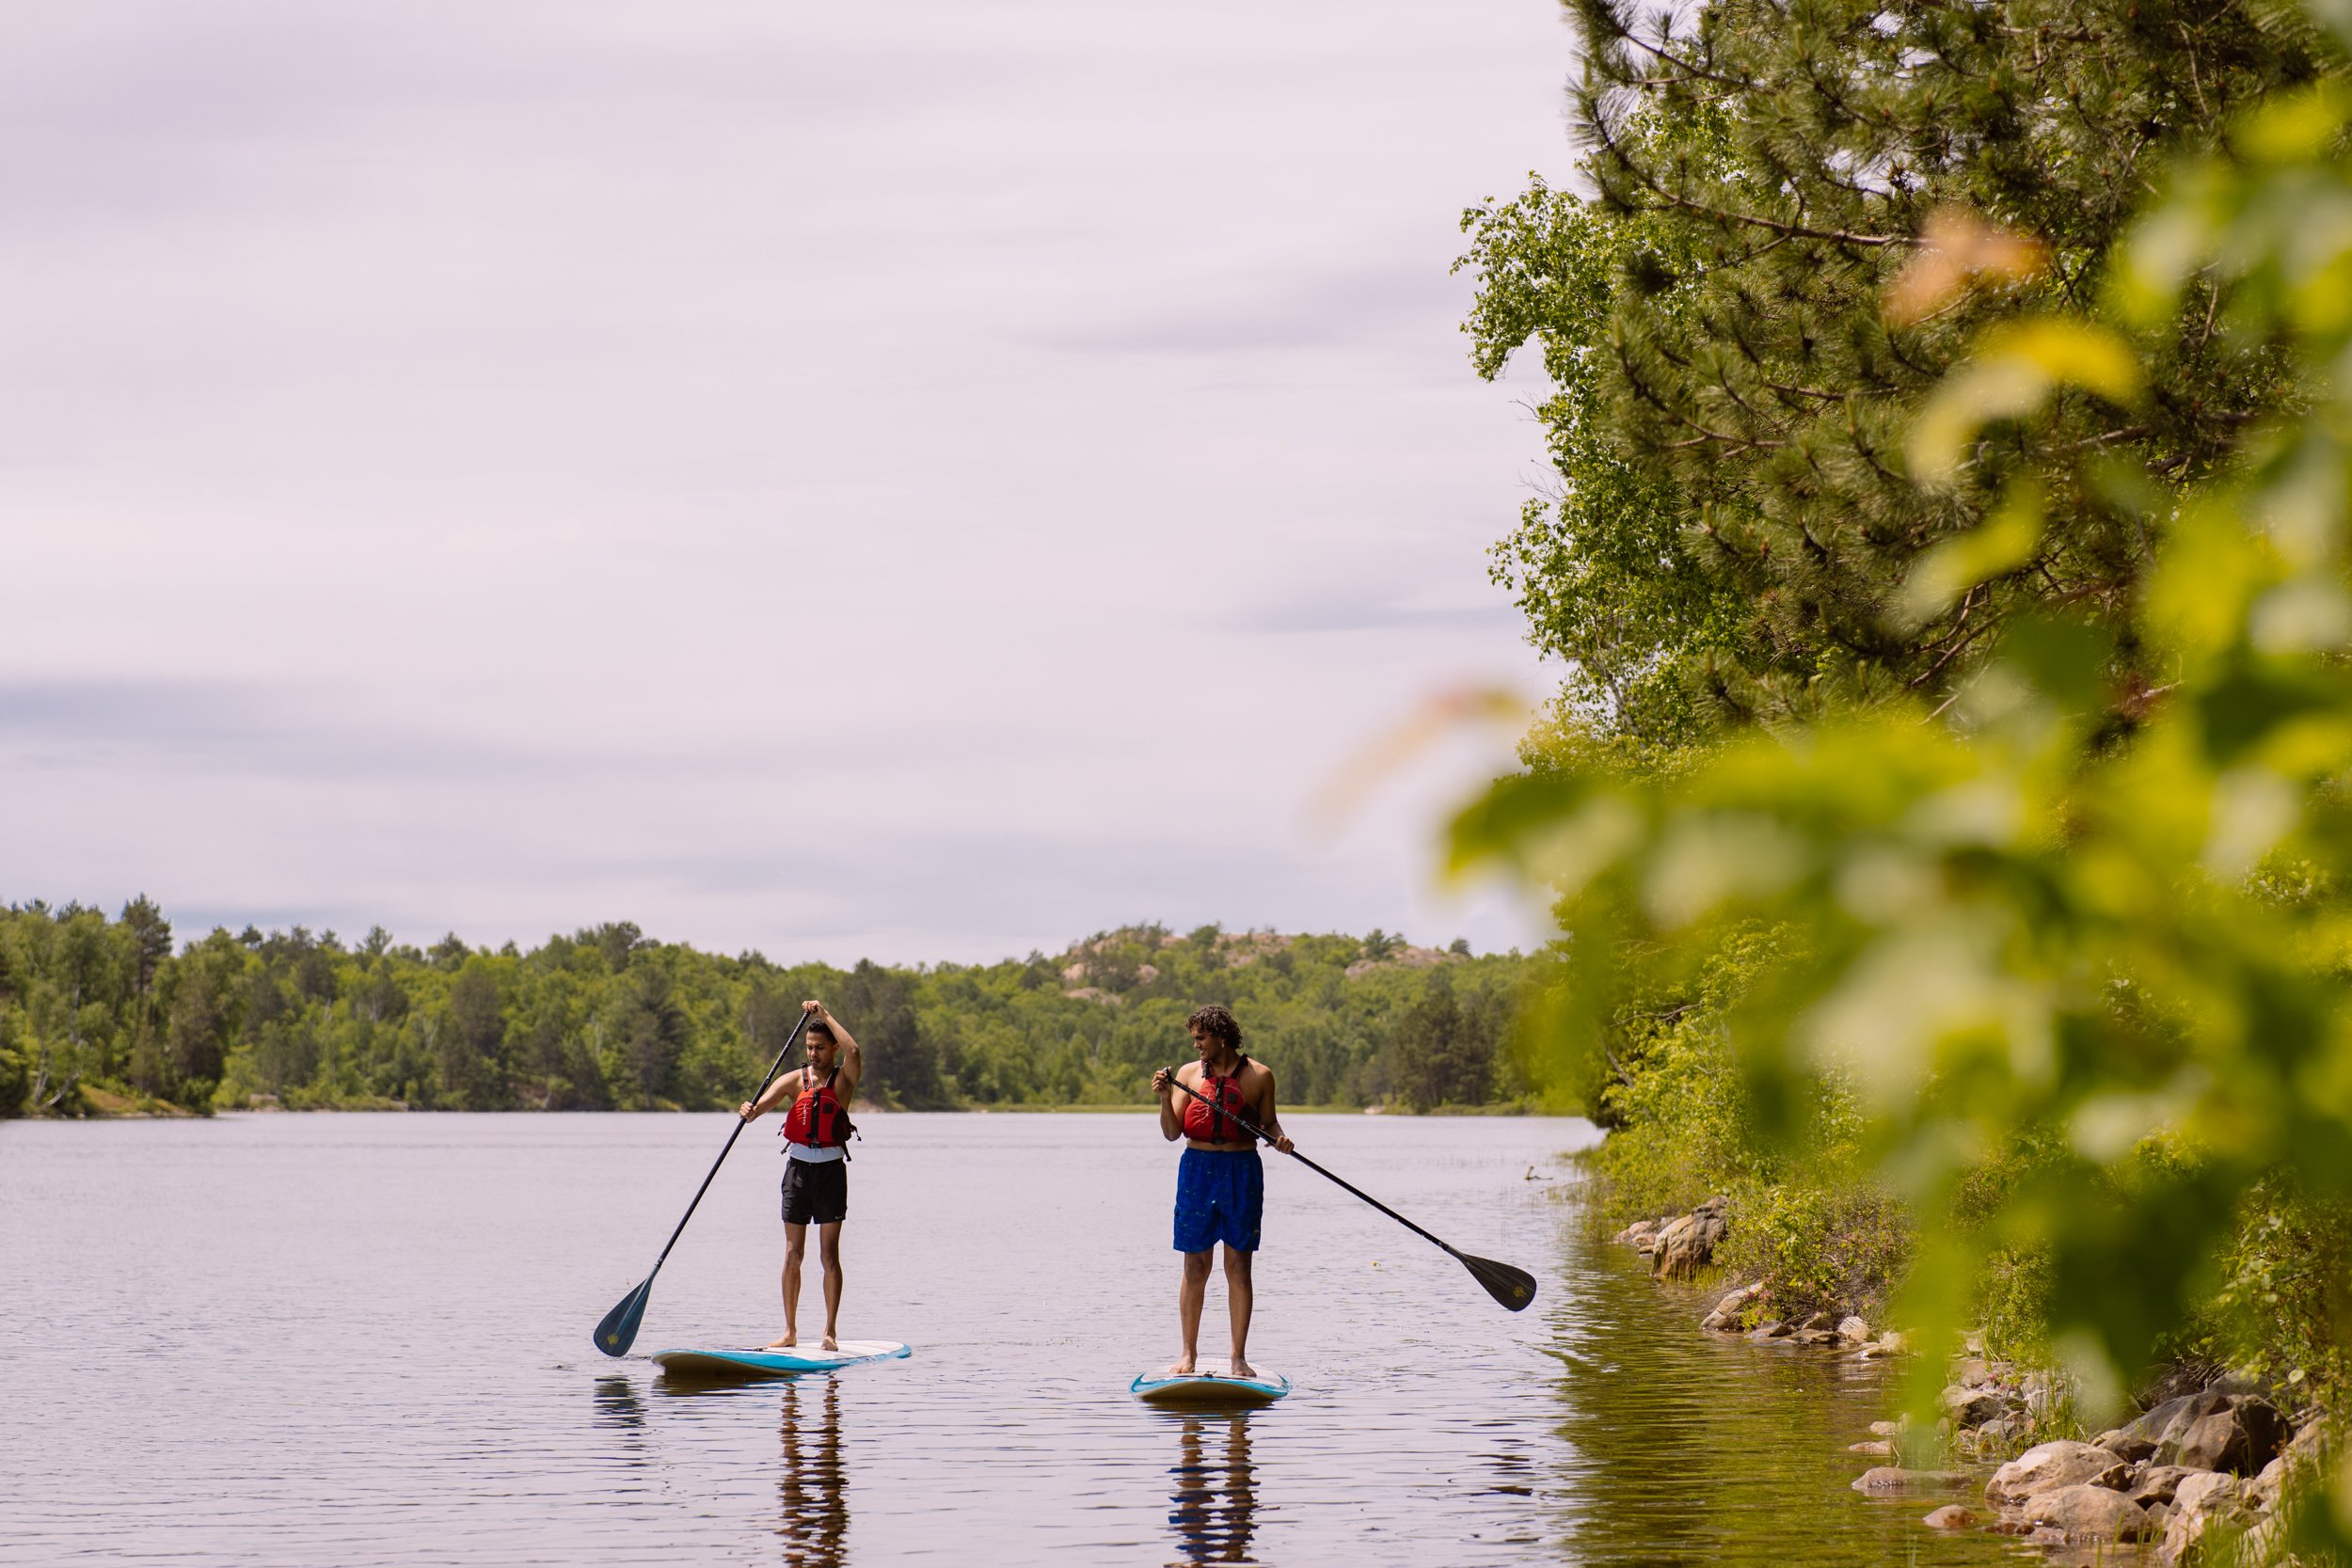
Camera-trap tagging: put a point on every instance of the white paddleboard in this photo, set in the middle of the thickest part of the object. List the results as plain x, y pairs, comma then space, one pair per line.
1208, 1390
762, 1362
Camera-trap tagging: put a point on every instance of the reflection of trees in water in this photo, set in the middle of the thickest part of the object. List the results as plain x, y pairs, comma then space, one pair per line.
1215, 1498
816, 1514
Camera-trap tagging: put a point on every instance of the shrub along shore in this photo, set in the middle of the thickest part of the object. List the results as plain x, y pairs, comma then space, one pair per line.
1949, 802
101, 1016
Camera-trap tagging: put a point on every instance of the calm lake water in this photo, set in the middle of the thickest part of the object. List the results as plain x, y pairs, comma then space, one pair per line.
310, 1340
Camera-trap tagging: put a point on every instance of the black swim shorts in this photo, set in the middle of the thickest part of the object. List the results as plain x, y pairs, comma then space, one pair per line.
816, 1192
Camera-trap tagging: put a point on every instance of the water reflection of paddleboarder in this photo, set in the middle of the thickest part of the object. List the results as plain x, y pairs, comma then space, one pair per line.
618, 1407
816, 1515
815, 1173
1215, 1505
1220, 1184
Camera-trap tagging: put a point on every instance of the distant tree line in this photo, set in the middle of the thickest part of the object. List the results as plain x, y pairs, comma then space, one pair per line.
100, 1014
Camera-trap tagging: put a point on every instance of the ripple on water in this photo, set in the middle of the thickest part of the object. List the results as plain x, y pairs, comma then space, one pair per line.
363, 1340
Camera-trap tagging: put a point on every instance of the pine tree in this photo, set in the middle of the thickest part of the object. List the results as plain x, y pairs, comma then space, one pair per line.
1737, 519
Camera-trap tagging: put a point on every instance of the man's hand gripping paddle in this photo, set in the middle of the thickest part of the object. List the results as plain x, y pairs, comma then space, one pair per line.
1514, 1288
619, 1329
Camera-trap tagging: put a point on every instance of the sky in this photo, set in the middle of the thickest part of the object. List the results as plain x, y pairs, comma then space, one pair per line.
925, 482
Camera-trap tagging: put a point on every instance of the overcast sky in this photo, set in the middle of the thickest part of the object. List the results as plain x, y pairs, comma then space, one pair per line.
923, 481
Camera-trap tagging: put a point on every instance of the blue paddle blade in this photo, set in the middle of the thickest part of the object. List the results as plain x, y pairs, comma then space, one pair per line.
619, 1329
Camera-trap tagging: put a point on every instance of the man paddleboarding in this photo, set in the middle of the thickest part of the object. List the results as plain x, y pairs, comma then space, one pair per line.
1220, 1182
816, 1172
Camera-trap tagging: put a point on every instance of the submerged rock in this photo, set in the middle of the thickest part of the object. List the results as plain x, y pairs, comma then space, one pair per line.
1893, 1478
1951, 1516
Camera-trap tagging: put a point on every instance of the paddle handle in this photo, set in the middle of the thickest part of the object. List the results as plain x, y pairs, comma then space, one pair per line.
774, 1067
1261, 1132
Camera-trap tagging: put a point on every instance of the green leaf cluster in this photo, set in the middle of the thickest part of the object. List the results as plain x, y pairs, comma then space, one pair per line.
2073, 942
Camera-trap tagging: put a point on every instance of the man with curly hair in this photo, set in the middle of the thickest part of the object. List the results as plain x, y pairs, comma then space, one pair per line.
1220, 1184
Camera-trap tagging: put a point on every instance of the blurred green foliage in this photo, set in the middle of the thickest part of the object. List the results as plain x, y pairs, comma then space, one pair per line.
2065, 951
608, 1018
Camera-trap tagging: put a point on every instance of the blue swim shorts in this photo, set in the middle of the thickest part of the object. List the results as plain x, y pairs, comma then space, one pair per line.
1220, 1196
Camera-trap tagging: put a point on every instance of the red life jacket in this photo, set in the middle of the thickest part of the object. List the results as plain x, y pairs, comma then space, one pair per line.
1205, 1124
816, 1119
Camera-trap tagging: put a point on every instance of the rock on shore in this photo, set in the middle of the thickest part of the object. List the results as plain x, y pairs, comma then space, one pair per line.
2237, 1433
2192, 1470
2188, 1467
1677, 1246
2051, 1466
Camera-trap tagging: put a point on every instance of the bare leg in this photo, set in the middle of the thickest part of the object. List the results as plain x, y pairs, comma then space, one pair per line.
828, 1252
795, 1243
1239, 1298
1190, 1293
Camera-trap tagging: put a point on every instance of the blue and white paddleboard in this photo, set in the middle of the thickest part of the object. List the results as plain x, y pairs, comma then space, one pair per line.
716, 1364
1207, 1390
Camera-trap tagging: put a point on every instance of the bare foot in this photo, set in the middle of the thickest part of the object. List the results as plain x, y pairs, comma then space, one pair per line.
788, 1341
1242, 1368
1180, 1367
831, 1343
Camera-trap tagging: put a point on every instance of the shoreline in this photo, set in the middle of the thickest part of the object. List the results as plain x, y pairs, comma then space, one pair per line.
2201, 1470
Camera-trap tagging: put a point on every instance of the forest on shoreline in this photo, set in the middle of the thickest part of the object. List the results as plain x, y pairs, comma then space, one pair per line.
100, 1015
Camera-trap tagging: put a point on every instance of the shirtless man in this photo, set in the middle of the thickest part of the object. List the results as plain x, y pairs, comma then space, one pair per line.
816, 1170
1220, 1184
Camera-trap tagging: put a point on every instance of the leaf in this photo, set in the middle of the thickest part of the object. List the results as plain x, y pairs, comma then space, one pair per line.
1959, 251
2007, 541
2016, 369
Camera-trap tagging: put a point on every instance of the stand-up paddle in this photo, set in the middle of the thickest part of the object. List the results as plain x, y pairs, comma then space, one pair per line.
1514, 1288
619, 1329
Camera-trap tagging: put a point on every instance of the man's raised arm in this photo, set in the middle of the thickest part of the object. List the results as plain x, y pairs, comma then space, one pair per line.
852, 1057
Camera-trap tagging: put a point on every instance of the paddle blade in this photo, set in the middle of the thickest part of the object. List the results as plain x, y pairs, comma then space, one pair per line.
1514, 1288
619, 1329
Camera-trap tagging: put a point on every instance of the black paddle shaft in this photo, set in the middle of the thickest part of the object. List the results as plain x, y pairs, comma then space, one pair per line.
777, 1065
1261, 1132
1512, 1288
618, 1330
